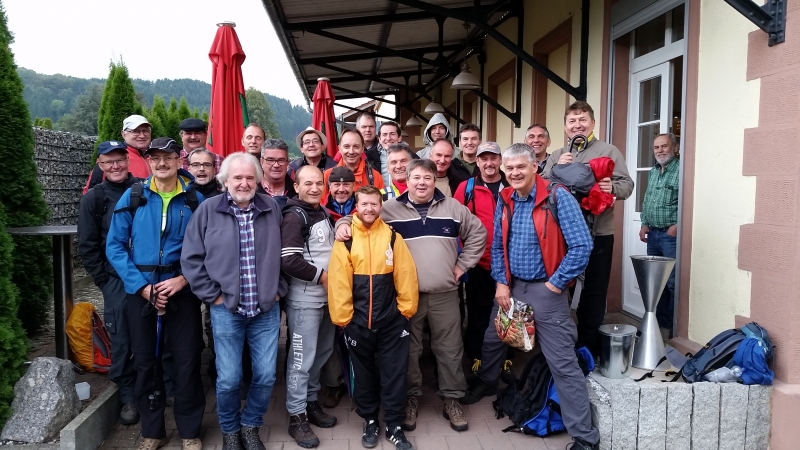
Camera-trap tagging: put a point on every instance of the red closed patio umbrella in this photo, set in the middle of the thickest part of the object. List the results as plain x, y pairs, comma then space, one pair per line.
323, 118
228, 115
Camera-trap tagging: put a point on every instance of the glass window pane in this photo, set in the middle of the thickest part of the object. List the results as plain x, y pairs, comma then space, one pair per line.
641, 188
650, 36
650, 100
677, 24
647, 134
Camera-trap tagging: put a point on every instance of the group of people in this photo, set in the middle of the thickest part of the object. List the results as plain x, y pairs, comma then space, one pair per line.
369, 249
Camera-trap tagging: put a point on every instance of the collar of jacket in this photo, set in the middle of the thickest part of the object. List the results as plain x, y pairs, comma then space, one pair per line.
581, 147
184, 178
259, 204
479, 179
437, 196
358, 224
122, 185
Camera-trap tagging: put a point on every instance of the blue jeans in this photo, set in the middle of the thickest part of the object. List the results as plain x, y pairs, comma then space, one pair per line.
659, 243
230, 331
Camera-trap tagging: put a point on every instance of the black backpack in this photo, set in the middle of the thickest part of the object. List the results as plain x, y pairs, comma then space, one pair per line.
138, 200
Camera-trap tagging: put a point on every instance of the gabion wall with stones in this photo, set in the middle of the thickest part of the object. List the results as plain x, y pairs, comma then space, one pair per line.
63, 161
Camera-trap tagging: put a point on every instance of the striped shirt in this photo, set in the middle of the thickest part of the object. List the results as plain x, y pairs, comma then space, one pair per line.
660, 205
248, 294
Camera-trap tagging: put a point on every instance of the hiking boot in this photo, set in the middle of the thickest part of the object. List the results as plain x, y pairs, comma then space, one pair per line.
476, 391
396, 436
452, 412
410, 424
580, 444
153, 444
231, 441
301, 431
370, 437
507, 376
334, 395
319, 417
192, 444
250, 439
129, 414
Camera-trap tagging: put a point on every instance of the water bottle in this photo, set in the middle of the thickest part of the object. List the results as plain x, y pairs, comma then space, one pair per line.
724, 375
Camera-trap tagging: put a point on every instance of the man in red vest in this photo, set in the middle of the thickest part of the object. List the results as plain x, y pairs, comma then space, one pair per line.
536, 253
136, 132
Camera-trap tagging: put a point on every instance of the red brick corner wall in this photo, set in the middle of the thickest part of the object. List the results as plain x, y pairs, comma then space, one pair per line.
769, 248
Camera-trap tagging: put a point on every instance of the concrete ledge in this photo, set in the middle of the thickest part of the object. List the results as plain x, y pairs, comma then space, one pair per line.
89, 429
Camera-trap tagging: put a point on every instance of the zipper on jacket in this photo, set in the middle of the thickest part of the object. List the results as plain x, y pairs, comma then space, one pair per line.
546, 217
369, 252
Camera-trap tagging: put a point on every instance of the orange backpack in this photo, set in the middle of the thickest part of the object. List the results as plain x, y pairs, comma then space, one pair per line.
88, 338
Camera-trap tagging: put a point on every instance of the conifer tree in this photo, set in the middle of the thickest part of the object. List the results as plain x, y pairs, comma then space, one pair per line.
119, 101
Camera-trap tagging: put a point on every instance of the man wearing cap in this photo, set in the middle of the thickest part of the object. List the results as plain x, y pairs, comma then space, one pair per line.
136, 133
253, 138
312, 145
276, 182
341, 185
479, 195
397, 158
144, 246
94, 219
351, 146
194, 136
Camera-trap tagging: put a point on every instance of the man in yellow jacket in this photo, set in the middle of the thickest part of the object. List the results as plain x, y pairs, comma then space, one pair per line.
373, 294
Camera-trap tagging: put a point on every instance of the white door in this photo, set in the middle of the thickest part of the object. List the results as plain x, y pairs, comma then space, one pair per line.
647, 117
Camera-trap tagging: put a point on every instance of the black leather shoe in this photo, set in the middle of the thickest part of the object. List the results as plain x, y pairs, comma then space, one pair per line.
250, 439
231, 441
476, 391
580, 444
319, 417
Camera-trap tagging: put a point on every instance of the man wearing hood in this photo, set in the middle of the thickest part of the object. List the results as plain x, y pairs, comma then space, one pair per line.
438, 128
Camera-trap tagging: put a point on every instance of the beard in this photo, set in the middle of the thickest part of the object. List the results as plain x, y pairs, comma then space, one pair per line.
666, 159
240, 197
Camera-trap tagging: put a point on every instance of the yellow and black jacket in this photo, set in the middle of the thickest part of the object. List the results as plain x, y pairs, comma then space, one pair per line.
372, 282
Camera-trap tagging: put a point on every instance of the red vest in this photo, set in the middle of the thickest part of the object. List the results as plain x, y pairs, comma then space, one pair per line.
551, 241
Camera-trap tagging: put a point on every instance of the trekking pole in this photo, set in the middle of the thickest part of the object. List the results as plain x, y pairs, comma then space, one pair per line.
155, 397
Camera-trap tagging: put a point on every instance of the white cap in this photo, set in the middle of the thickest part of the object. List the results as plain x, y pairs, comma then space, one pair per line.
131, 122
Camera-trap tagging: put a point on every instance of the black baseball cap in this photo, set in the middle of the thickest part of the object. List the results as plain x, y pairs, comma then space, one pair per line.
192, 124
341, 174
164, 144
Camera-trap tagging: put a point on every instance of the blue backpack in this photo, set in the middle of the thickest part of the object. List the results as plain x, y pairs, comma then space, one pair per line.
532, 402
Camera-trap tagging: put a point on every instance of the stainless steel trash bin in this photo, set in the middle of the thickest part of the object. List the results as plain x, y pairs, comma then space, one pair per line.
616, 350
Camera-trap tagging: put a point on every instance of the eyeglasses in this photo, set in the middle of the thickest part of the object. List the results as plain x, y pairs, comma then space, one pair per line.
273, 161
160, 159
142, 132
203, 165
119, 162
312, 141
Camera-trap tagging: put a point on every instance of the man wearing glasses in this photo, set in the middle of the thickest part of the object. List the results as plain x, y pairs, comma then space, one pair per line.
136, 133
144, 246
201, 164
276, 182
94, 219
312, 144
194, 136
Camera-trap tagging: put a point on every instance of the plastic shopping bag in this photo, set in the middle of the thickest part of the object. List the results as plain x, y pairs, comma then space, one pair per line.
515, 326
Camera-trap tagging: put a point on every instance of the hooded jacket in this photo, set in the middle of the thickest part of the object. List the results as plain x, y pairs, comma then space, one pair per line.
134, 242
303, 260
91, 234
374, 281
210, 189
437, 119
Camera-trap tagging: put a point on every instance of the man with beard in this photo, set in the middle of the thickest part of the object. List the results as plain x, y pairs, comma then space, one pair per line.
240, 229
312, 145
136, 132
399, 155
274, 160
538, 138
660, 217
470, 139
201, 165
253, 138
193, 136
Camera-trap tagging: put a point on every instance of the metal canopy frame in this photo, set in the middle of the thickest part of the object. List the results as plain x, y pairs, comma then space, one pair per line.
771, 17
444, 66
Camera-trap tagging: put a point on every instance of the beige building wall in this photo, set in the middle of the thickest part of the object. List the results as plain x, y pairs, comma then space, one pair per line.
724, 199
556, 98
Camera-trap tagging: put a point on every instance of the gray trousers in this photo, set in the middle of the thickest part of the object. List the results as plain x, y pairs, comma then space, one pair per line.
556, 333
121, 372
311, 336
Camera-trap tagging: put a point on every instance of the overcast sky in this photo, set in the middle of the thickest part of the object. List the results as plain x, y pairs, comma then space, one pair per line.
155, 38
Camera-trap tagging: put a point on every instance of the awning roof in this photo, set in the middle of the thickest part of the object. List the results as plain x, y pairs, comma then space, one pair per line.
371, 47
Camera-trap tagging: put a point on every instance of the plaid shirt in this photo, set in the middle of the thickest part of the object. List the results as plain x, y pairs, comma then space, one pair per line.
524, 253
248, 296
660, 205
185, 160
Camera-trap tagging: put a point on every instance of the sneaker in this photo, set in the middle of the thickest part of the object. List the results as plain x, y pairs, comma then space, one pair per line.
396, 436
334, 395
452, 412
192, 444
476, 391
153, 444
301, 431
129, 414
370, 437
507, 375
250, 438
580, 444
410, 424
231, 441
319, 417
